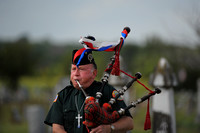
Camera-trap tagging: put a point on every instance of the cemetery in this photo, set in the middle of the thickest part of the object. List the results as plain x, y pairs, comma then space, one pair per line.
176, 109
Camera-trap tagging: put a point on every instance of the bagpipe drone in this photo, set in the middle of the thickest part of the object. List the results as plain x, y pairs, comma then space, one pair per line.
95, 114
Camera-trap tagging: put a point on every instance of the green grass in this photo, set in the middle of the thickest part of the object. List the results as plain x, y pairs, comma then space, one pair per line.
7, 123
185, 123
14, 128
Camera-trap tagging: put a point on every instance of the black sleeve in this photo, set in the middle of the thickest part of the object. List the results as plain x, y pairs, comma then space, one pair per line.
55, 114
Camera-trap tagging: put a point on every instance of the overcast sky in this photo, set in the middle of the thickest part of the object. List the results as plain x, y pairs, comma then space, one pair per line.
66, 20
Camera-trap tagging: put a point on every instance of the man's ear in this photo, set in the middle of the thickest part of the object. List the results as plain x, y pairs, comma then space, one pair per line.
95, 72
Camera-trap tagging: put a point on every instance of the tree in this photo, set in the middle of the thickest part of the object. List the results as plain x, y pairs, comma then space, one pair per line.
16, 61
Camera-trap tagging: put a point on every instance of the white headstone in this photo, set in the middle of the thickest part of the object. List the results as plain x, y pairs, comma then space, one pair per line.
198, 100
35, 117
163, 104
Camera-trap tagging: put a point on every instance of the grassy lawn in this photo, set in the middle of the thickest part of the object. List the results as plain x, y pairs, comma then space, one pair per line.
185, 123
7, 122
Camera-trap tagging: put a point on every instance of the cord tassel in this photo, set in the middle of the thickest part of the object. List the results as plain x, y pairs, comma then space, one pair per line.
116, 66
147, 124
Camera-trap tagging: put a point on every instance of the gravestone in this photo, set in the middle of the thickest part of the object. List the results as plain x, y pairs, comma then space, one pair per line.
5, 95
22, 94
163, 104
198, 101
16, 116
35, 117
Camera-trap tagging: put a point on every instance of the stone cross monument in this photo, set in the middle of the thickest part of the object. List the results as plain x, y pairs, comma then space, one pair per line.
163, 107
198, 100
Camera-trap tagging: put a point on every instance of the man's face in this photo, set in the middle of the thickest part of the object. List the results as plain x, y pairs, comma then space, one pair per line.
85, 74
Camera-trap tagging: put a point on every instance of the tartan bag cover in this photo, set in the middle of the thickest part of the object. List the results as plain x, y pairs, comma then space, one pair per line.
96, 115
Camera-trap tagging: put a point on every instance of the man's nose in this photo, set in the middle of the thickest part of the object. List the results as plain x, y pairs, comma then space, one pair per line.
77, 72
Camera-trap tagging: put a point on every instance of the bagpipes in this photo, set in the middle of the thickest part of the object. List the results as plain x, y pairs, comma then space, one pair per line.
95, 114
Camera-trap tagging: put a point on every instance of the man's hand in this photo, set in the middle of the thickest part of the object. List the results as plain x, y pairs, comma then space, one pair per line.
124, 124
101, 129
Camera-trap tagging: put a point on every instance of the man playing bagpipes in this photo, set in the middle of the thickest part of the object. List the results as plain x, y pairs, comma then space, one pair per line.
90, 106
66, 113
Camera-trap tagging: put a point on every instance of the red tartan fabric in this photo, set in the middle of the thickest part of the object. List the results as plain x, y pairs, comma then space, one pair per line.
96, 115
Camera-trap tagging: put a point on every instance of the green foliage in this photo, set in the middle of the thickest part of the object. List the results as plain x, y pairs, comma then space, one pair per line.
7, 122
16, 61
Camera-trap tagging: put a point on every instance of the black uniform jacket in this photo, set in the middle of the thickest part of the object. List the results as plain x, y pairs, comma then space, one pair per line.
64, 111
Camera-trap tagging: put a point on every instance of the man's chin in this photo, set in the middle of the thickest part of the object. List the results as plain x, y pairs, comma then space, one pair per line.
76, 86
